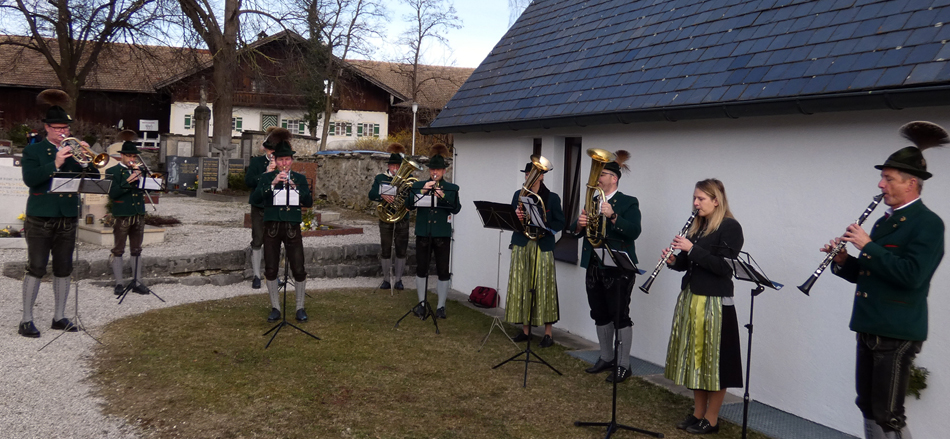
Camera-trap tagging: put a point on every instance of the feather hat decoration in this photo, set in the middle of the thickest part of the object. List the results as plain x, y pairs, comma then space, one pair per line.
619, 164
439, 152
127, 136
910, 159
925, 134
396, 152
53, 97
275, 136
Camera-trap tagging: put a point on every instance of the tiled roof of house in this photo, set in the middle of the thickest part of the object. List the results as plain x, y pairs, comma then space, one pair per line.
567, 62
121, 67
438, 83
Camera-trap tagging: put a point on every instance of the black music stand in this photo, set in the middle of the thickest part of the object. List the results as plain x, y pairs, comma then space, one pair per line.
749, 271
621, 260
78, 183
276, 329
493, 218
427, 308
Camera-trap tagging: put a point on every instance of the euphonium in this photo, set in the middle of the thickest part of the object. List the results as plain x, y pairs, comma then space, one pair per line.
83, 154
596, 223
394, 212
540, 165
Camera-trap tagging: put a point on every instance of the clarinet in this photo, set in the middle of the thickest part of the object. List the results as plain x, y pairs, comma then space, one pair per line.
805, 287
659, 266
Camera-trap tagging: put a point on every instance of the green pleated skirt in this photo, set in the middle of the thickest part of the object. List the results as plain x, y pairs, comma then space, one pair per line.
704, 353
526, 261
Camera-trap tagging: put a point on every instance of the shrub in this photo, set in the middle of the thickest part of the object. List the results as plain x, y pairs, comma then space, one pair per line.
236, 182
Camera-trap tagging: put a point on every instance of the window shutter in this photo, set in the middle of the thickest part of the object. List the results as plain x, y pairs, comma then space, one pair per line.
359, 130
283, 124
376, 129
187, 121
349, 129
300, 127
332, 130
239, 124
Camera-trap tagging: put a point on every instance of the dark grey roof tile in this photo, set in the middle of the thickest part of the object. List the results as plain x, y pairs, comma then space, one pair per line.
841, 82
925, 72
893, 57
867, 79
842, 64
843, 47
921, 36
894, 76
715, 94
794, 87
772, 89
924, 53
893, 22
821, 50
819, 66
799, 39
816, 85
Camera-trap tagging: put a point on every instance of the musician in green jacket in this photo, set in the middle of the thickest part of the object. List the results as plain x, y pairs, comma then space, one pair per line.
128, 209
393, 236
282, 226
51, 218
258, 165
892, 273
609, 288
434, 228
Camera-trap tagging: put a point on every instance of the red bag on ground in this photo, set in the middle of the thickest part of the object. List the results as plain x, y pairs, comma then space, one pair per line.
484, 297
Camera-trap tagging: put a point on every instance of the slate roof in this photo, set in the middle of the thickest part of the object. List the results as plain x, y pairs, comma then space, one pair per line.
439, 83
577, 62
121, 67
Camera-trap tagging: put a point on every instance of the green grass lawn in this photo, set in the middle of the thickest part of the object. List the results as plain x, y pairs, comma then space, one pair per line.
201, 371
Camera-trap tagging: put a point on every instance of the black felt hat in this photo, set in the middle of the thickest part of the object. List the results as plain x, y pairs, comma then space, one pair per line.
437, 161
619, 164
910, 159
283, 149
396, 152
56, 100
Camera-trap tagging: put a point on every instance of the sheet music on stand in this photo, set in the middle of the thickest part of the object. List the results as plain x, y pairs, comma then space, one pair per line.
620, 258
422, 200
286, 197
750, 271
387, 189
151, 184
80, 185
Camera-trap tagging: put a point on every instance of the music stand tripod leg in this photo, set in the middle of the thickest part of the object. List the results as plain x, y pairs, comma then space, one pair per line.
280, 325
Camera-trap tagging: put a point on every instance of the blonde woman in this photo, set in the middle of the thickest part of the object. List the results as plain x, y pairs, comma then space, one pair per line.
703, 352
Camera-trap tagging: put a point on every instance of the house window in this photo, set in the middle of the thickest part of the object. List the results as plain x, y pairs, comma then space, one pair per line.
189, 121
349, 129
237, 124
367, 130
565, 249
269, 120
341, 129
330, 131
294, 126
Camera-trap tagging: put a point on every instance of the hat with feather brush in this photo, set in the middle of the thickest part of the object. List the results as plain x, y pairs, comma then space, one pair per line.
129, 146
439, 153
910, 159
619, 164
275, 136
396, 152
54, 100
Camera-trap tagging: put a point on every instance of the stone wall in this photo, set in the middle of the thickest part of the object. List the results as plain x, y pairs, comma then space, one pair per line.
346, 178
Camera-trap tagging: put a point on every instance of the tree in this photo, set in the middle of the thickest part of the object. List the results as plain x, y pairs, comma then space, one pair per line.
430, 20
515, 8
337, 29
71, 35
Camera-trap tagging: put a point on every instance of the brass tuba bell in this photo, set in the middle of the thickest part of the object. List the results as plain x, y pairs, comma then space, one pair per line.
596, 223
394, 212
539, 165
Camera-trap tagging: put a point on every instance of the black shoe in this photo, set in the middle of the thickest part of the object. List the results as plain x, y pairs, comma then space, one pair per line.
27, 329
140, 289
440, 313
273, 316
420, 311
256, 283
702, 427
63, 324
546, 342
385, 285
119, 289
686, 423
521, 337
600, 366
302, 315
620, 374
398, 285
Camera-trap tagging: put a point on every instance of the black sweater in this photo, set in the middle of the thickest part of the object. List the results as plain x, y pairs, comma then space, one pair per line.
707, 272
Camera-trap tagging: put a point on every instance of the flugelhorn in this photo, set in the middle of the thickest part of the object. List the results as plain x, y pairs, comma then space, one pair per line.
539, 165
596, 229
82, 153
666, 255
394, 212
806, 287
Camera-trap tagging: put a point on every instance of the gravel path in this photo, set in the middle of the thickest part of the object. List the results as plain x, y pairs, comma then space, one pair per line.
46, 394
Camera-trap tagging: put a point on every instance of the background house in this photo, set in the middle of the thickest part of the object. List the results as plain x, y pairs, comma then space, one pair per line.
790, 103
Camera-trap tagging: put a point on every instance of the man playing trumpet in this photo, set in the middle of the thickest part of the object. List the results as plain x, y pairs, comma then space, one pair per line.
128, 209
282, 226
258, 166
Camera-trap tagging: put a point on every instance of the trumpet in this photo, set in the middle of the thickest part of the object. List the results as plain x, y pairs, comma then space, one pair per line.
82, 153
540, 165
806, 287
596, 223
666, 255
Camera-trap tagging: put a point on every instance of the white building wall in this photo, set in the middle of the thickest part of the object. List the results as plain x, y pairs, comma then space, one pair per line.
793, 182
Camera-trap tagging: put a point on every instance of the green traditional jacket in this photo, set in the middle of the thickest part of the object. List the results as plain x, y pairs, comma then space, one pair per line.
555, 221
892, 274
620, 236
256, 168
434, 222
127, 198
39, 168
264, 196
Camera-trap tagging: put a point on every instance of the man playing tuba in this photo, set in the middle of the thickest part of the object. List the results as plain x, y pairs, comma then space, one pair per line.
392, 235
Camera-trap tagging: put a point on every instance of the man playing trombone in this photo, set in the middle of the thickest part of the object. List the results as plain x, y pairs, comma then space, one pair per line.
606, 289
128, 209
892, 273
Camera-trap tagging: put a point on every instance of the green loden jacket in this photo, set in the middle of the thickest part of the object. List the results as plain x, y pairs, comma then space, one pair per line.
127, 198
893, 274
435, 222
620, 236
39, 168
252, 177
264, 196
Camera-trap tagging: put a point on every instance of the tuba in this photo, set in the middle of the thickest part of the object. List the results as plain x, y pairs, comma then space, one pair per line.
540, 165
394, 212
83, 154
596, 223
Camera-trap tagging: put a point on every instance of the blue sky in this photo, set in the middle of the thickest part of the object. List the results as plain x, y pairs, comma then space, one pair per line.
484, 23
